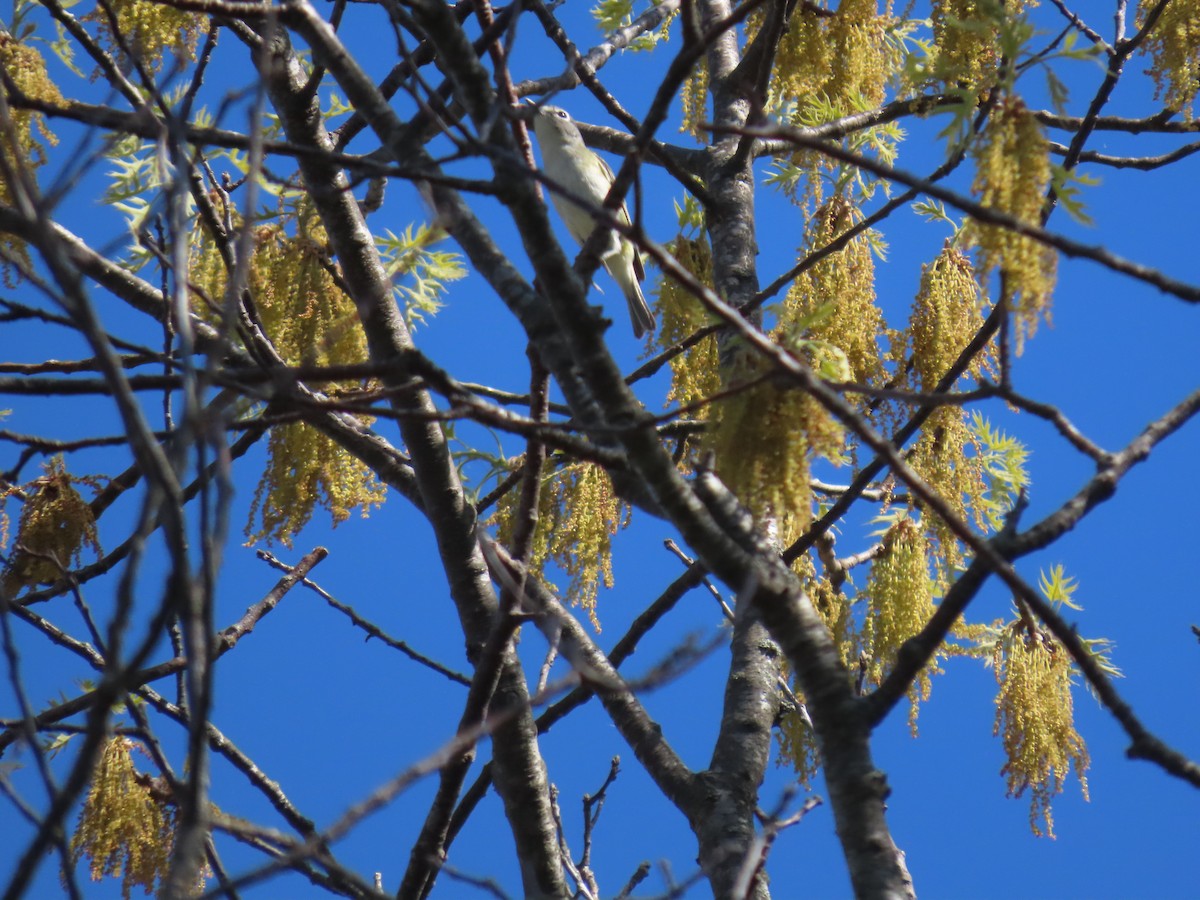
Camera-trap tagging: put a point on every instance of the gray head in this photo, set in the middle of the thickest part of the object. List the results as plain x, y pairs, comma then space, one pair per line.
553, 123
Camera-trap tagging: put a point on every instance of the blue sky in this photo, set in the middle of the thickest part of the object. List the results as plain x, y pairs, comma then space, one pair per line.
330, 716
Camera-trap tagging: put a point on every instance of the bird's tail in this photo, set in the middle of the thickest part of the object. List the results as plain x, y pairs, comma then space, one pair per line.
622, 270
639, 311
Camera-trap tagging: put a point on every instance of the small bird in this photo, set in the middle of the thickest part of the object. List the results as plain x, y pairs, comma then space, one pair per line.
568, 161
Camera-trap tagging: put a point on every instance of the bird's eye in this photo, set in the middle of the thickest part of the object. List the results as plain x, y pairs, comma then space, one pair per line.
561, 113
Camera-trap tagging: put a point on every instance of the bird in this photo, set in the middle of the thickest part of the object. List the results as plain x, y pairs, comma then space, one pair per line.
569, 162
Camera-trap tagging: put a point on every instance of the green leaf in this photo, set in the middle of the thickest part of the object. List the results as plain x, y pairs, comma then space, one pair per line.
933, 211
418, 274
1004, 460
1059, 94
690, 214
611, 15
1058, 587
1067, 186
57, 743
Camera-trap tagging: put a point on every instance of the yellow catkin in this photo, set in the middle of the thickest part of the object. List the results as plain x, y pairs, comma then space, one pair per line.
863, 64
831, 605
23, 143
151, 29
578, 516
768, 431
946, 315
306, 469
847, 279
1174, 49
966, 44
27, 69
694, 98
844, 59
798, 746
207, 272
1035, 720
123, 831
310, 321
804, 60
582, 539
899, 595
1012, 173
761, 446
947, 457
828, 66
504, 520
695, 374
843, 282
306, 315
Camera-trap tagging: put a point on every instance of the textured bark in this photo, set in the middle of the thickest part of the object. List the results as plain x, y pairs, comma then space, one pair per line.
520, 772
857, 789
725, 829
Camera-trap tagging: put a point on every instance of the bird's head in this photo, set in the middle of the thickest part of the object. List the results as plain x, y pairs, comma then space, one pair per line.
554, 124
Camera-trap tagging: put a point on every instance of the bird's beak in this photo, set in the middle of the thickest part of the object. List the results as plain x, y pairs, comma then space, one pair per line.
527, 111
